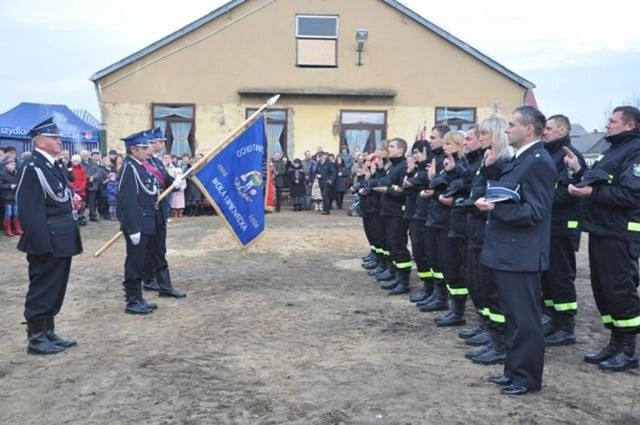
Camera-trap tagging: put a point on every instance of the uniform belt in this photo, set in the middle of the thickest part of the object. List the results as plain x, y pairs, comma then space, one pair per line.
60, 219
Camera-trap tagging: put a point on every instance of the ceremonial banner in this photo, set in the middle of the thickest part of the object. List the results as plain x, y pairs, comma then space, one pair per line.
234, 183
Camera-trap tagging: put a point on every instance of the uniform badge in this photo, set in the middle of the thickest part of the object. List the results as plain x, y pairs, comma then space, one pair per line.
636, 170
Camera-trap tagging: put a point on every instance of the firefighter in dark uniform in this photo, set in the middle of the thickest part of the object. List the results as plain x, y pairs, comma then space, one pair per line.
51, 237
391, 211
372, 205
558, 283
415, 183
516, 248
611, 215
157, 256
136, 210
437, 222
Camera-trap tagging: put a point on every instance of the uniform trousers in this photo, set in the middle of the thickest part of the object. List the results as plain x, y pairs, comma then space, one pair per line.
366, 225
418, 235
614, 280
48, 277
524, 337
482, 288
396, 231
454, 267
378, 234
558, 283
157, 250
135, 261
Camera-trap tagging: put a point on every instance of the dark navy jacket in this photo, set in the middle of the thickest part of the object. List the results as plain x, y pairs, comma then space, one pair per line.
613, 210
517, 235
45, 204
392, 201
566, 208
137, 194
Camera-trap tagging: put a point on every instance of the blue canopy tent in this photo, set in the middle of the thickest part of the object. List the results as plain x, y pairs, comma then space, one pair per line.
76, 133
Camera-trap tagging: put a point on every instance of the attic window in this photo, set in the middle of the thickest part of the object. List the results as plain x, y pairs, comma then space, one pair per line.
317, 41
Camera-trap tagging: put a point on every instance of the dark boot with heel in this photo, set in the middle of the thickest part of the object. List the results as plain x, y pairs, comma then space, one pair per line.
166, 288
133, 301
625, 358
455, 315
563, 331
39, 342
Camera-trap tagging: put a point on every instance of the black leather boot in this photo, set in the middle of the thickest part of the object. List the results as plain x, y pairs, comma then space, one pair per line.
456, 314
382, 266
402, 286
424, 293
152, 306
133, 302
61, 342
605, 352
166, 288
468, 333
39, 342
437, 301
370, 264
149, 281
369, 257
496, 354
477, 351
625, 358
481, 338
563, 333
389, 274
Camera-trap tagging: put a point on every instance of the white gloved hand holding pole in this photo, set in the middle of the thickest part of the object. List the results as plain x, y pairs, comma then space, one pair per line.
135, 238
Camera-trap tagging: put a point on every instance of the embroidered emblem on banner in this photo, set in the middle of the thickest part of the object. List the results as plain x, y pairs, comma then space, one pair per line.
247, 184
636, 170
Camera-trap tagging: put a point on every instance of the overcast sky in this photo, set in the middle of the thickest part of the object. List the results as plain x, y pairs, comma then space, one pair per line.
584, 60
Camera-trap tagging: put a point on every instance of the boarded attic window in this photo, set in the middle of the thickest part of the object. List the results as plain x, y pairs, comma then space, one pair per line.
317, 41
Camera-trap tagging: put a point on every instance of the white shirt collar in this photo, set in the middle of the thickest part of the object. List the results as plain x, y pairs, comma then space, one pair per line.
49, 158
525, 147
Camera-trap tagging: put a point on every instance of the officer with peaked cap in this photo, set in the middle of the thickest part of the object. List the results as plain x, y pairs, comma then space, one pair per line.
136, 211
51, 237
156, 257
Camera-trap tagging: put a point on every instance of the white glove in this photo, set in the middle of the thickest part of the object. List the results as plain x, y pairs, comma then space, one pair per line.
135, 238
177, 181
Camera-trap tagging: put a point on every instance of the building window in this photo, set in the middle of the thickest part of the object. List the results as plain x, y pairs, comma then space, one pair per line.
456, 118
363, 130
317, 41
276, 128
177, 121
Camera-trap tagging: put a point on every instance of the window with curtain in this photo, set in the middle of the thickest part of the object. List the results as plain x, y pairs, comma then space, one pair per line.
276, 128
456, 118
317, 41
177, 121
363, 129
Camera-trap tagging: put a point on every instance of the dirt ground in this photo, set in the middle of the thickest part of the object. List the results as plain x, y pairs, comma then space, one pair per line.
293, 333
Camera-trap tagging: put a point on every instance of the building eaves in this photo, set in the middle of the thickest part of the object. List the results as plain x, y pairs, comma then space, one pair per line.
234, 3
317, 92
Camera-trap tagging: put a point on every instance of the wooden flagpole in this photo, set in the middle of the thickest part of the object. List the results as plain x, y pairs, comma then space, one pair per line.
201, 162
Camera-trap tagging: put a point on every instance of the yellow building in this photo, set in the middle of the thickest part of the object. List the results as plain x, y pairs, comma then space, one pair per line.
349, 72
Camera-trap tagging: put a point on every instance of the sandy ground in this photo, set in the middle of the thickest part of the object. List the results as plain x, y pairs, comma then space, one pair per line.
293, 333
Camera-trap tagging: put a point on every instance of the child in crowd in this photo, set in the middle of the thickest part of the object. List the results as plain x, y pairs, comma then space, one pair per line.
316, 194
112, 195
